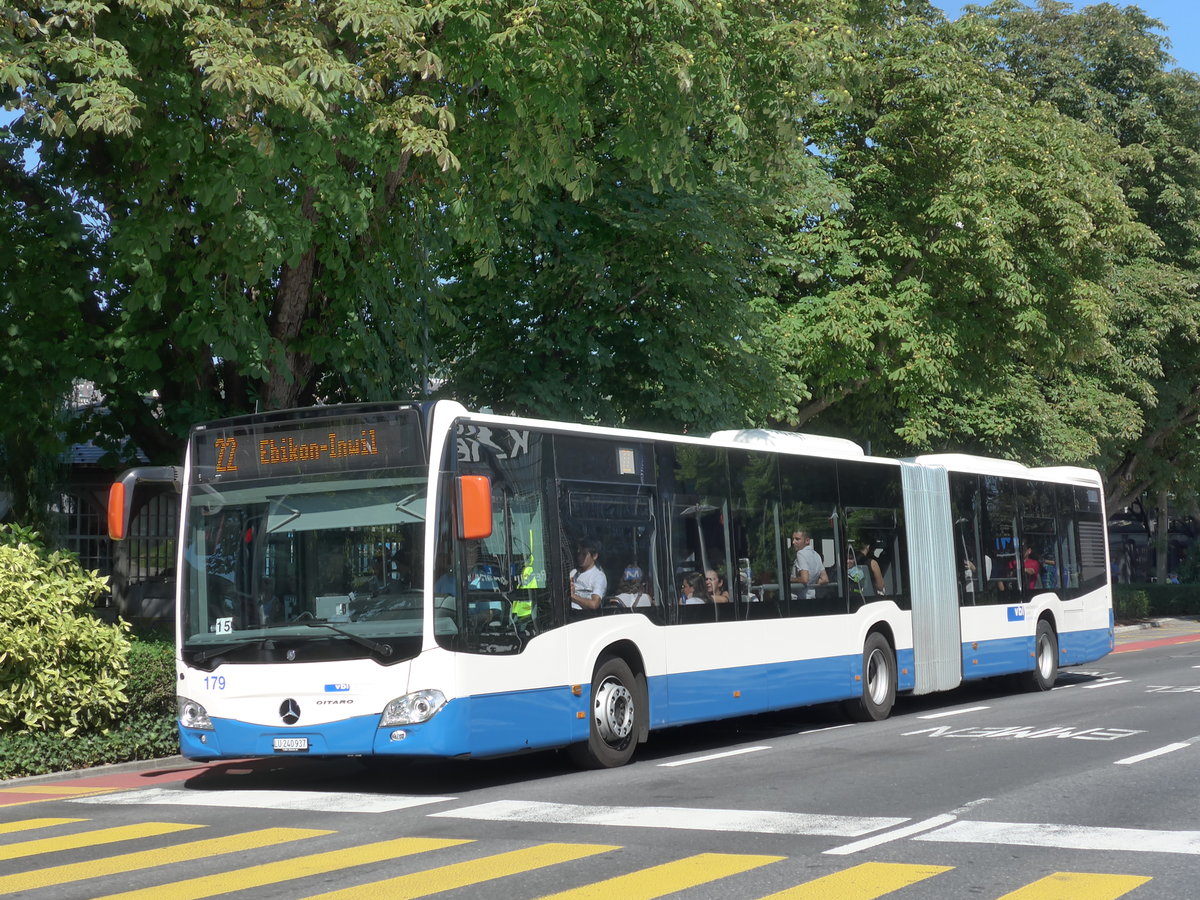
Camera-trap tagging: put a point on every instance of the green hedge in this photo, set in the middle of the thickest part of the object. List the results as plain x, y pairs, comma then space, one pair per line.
147, 729
1142, 601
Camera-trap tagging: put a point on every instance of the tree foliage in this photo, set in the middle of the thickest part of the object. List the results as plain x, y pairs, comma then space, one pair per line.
1107, 67
850, 217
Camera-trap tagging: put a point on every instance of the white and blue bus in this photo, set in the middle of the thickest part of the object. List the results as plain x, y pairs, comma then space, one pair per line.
397, 580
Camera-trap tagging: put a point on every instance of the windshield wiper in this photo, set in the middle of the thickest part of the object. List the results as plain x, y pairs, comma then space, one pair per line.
206, 655
373, 646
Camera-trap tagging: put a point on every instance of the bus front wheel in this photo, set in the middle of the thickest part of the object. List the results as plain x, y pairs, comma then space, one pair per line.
616, 717
878, 682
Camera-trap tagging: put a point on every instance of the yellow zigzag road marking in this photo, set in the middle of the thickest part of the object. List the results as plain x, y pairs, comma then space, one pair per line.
65, 790
1078, 886
31, 824
863, 882
90, 838
668, 878
146, 859
433, 881
288, 869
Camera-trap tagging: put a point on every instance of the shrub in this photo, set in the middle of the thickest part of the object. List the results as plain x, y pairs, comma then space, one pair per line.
1142, 600
142, 736
61, 669
151, 686
1129, 603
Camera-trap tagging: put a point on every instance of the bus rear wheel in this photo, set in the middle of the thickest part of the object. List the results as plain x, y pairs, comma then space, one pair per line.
878, 682
1045, 660
615, 720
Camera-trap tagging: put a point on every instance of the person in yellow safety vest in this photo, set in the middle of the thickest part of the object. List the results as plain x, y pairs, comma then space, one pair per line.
527, 579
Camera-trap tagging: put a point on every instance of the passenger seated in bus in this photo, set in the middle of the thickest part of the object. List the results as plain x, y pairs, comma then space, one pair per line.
970, 570
693, 590
862, 568
716, 586
633, 589
588, 584
808, 569
1025, 567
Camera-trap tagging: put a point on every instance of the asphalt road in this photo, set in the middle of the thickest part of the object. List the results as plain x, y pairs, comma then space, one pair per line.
1089, 791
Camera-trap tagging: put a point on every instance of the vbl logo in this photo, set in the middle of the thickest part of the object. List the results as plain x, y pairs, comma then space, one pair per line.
1016, 614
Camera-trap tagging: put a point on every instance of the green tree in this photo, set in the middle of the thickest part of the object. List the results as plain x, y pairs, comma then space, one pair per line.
302, 202
47, 274
1108, 67
962, 291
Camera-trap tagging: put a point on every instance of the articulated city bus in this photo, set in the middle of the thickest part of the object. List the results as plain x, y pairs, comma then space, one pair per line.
421, 580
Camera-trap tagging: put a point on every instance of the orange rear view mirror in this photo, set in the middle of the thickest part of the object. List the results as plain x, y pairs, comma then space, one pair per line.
474, 506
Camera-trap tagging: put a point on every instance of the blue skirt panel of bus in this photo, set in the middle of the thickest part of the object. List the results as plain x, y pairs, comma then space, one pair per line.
1084, 646
492, 724
231, 738
471, 726
1008, 655
689, 697
998, 657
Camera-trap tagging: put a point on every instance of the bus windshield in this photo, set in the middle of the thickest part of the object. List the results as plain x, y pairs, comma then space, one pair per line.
326, 568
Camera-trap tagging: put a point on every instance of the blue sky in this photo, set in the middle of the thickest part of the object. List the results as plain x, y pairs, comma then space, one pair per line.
1181, 18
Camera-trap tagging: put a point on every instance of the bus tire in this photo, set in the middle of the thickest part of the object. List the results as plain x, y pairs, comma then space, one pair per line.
878, 682
1045, 660
616, 717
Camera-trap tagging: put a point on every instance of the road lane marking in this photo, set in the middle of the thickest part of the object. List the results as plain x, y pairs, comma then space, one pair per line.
836, 727
888, 836
1108, 682
465, 874
862, 882
712, 756
1161, 751
1078, 886
298, 801
95, 838
1067, 837
742, 820
668, 878
288, 869
954, 712
148, 859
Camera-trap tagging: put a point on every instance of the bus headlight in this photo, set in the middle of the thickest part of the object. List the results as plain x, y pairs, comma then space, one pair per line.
192, 714
412, 709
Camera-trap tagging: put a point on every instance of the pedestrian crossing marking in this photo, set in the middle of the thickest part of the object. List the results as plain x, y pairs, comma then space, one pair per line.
464, 874
147, 859
867, 881
862, 882
1078, 886
32, 824
288, 869
658, 881
91, 838
296, 801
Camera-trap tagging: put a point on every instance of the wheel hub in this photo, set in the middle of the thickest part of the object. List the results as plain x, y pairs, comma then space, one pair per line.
613, 709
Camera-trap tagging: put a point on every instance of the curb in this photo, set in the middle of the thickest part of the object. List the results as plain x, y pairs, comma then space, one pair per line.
1157, 623
138, 765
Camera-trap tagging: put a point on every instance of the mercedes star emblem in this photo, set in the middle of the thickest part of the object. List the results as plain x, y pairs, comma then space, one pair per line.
289, 711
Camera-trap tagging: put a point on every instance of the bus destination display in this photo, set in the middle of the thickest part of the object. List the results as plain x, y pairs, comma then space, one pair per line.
266, 451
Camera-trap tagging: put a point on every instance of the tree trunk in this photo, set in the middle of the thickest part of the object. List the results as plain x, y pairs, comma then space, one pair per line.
1162, 540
